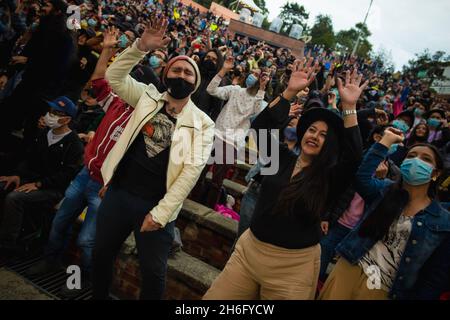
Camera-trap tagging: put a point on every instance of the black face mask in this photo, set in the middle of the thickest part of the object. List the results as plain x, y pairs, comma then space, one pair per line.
237, 73
179, 88
209, 66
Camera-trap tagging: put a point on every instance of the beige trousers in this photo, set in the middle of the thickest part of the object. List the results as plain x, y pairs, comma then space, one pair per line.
349, 282
258, 270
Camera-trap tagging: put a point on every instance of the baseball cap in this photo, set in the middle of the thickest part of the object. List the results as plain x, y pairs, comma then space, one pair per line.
64, 104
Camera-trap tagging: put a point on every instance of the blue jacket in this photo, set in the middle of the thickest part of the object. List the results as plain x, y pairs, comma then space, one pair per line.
425, 264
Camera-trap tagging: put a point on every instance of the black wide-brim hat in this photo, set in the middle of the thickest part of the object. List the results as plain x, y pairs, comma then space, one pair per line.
331, 118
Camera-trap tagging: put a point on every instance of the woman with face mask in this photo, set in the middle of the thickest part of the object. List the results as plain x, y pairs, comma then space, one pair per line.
400, 250
439, 131
211, 63
279, 256
419, 111
233, 122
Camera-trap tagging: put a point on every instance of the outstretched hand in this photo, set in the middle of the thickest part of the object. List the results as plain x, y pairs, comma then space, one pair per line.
110, 38
351, 91
153, 37
302, 75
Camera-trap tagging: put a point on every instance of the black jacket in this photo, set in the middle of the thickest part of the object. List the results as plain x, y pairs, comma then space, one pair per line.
54, 166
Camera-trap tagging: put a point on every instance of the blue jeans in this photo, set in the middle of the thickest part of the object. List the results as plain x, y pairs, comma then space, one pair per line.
328, 245
82, 192
121, 213
248, 205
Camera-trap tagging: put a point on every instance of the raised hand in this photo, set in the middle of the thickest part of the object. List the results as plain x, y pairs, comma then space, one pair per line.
351, 91
295, 111
110, 38
392, 136
263, 82
228, 65
302, 75
153, 37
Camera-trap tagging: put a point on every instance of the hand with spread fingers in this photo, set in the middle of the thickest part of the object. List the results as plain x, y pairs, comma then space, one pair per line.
351, 91
110, 38
302, 75
153, 37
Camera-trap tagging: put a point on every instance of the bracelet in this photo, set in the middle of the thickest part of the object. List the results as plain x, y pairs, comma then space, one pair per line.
346, 113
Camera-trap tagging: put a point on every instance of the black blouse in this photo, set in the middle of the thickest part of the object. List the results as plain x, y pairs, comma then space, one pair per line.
294, 231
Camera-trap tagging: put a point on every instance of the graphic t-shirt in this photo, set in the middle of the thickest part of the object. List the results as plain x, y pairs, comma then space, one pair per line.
387, 254
143, 169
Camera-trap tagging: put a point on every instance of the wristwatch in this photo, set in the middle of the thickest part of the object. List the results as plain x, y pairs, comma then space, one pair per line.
346, 113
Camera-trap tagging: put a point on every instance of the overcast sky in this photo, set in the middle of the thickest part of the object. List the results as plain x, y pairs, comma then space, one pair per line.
403, 27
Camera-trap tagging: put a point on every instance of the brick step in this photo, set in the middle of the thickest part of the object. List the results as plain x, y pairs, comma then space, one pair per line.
188, 278
206, 234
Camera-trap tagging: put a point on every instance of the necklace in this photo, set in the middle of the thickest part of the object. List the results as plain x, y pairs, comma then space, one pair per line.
297, 168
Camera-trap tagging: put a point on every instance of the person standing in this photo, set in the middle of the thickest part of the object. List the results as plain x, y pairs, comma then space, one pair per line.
153, 166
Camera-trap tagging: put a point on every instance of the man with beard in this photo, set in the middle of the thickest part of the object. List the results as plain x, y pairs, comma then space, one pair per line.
48, 56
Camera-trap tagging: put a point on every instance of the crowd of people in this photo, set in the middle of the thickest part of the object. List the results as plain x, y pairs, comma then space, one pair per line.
120, 112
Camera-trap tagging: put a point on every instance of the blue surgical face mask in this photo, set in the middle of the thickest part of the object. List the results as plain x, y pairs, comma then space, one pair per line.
416, 172
269, 64
250, 81
400, 125
123, 41
418, 112
290, 134
92, 22
154, 62
433, 122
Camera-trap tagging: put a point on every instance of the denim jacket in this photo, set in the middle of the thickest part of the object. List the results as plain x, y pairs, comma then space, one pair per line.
430, 232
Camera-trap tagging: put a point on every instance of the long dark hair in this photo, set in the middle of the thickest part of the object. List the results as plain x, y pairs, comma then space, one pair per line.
414, 139
311, 187
377, 225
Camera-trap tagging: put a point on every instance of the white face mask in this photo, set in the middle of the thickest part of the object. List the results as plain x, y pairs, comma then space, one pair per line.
51, 121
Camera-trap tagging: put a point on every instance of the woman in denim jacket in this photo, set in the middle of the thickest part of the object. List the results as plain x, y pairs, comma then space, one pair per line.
401, 248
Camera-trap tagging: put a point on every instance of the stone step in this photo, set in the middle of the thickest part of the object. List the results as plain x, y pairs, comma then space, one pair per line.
232, 187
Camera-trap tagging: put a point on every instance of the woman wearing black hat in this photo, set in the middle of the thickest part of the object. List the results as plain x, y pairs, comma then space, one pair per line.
279, 256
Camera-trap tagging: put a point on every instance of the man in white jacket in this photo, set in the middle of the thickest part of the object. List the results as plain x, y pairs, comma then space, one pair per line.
153, 166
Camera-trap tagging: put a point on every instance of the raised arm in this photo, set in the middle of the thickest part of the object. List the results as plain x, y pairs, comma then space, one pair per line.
117, 74
109, 44
367, 185
214, 88
277, 113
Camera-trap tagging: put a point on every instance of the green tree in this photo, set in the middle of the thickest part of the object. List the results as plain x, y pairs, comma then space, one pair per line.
262, 5
266, 24
348, 38
384, 60
293, 13
322, 32
432, 64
